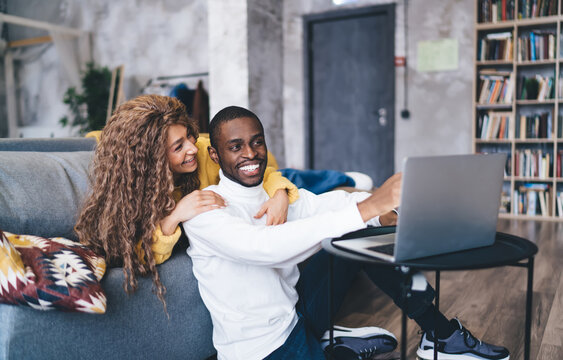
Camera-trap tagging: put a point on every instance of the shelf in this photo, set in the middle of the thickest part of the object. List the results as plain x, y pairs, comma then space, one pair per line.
494, 106
494, 141
532, 179
486, 115
536, 62
508, 24
533, 141
493, 62
543, 20
536, 102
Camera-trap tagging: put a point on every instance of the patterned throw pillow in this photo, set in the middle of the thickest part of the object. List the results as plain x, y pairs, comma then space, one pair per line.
49, 274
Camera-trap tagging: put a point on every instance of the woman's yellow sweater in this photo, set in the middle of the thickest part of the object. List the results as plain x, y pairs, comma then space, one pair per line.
208, 173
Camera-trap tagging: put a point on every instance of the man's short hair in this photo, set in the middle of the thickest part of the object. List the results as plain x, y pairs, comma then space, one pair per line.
227, 114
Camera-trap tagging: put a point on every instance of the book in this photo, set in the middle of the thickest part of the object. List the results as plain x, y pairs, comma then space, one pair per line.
532, 47
516, 206
495, 125
523, 122
543, 206
495, 92
484, 126
484, 90
502, 128
511, 129
494, 128
495, 46
559, 158
531, 203
510, 89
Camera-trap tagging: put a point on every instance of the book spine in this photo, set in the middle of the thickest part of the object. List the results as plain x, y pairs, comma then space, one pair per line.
559, 164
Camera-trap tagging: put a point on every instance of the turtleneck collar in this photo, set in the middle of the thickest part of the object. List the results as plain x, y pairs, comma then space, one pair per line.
236, 189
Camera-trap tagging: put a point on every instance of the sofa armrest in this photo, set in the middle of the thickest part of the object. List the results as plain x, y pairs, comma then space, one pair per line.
48, 144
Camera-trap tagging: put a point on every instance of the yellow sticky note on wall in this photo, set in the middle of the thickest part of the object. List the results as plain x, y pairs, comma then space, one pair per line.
438, 55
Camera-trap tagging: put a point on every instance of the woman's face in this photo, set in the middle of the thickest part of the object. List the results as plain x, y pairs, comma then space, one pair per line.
181, 150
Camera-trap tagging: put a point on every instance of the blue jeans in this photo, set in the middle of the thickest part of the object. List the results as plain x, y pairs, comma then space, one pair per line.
313, 305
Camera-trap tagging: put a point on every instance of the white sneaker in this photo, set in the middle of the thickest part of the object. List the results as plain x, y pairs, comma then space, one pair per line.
363, 181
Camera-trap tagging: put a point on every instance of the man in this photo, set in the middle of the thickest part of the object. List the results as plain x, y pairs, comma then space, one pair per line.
260, 304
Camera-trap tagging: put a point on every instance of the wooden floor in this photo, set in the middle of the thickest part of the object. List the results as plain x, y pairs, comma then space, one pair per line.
490, 303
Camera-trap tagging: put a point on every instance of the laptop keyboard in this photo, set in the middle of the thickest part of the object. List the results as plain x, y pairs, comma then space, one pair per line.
385, 249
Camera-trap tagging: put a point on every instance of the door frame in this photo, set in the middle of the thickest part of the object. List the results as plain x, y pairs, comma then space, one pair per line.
308, 22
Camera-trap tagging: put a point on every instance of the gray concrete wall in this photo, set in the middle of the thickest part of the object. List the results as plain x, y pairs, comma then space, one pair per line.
439, 102
265, 63
171, 37
228, 49
151, 38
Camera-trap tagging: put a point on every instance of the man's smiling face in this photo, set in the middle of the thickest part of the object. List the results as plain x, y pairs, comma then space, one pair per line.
241, 151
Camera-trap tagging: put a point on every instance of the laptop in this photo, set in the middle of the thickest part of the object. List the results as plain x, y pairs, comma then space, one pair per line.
448, 203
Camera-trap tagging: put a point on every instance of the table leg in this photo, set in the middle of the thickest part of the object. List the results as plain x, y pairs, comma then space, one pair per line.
529, 294
405, 290
437, 301
330, 304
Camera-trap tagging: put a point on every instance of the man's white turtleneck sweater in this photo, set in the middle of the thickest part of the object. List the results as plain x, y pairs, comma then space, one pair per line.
247, 271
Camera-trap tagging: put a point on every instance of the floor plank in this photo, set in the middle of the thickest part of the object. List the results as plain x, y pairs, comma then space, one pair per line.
553, 334
490, 302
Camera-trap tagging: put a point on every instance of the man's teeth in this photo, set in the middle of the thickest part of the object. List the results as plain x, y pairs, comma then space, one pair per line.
249, 167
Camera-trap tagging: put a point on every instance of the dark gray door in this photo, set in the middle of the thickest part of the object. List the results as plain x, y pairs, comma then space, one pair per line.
350, 90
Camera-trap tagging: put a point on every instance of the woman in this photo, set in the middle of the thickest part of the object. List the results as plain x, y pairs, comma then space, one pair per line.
147, 170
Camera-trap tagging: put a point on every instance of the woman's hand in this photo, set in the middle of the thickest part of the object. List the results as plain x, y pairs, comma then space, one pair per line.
191, 205
275, 208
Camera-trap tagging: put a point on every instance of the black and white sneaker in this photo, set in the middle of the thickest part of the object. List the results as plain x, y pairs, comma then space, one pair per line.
359, 343
461, 345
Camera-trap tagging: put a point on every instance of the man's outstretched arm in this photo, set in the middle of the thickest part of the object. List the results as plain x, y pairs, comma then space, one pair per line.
383, 200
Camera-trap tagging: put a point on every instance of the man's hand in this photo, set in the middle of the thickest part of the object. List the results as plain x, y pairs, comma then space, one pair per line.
383, 200
388, 219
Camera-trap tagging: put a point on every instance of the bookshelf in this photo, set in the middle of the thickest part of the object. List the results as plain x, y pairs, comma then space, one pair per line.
518, 101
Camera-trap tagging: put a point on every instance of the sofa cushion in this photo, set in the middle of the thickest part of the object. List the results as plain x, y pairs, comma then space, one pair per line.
41, 192
49, 274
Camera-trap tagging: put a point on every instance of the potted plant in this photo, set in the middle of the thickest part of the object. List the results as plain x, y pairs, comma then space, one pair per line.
89, 108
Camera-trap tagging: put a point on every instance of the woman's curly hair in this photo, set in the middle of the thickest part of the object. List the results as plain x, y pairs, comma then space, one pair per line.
132, 186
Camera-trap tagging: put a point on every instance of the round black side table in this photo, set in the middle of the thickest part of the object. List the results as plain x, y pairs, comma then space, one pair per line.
507, 250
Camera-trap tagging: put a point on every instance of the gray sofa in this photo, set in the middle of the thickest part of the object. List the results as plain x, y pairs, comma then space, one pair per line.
42, 183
